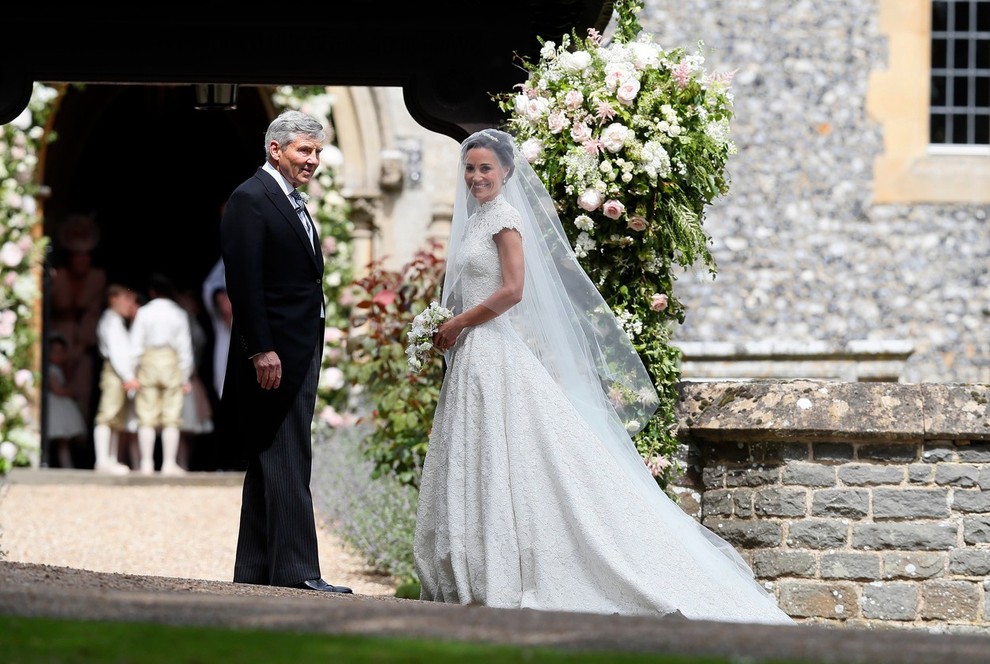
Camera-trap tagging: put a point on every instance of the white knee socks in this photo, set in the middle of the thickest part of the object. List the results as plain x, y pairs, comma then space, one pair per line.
104, 444
146, 442
170, 451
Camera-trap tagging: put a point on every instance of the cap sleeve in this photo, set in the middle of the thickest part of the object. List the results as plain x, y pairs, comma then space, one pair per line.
502, 216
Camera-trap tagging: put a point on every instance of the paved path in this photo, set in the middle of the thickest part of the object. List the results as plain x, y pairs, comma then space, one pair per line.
158, 589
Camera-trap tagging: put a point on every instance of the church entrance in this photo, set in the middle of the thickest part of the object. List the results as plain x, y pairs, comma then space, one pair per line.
141, 175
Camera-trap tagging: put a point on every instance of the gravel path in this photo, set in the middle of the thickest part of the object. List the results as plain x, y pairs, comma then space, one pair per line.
184, 527
84, 546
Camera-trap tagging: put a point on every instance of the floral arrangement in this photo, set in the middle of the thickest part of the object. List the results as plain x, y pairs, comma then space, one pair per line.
631, 140
22, 253
420, 336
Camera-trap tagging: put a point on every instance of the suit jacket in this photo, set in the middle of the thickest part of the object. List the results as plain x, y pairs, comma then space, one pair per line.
275, 284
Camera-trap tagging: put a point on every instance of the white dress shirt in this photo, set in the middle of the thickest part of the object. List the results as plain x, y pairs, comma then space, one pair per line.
163, 323
114, 340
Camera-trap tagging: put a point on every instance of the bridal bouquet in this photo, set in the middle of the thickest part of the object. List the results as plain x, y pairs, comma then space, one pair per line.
420, 336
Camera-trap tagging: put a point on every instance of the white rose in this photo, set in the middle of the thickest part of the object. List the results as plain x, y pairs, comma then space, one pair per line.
11, 254
331, 378
531, 149
522, 104
536, 108
614, 136
8, 450
644, 54
576, 61
590, 200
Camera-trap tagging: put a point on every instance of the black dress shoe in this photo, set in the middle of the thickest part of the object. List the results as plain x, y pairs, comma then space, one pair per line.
320, 584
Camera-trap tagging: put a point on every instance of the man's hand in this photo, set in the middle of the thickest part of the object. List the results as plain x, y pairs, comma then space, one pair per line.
268, 367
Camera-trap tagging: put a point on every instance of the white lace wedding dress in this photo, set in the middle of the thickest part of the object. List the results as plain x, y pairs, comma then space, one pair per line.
520, 507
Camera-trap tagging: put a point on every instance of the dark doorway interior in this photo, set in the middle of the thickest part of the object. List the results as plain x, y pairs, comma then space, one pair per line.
153, 172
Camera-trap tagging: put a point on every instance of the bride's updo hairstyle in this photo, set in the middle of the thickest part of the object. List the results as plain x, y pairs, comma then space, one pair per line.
498, 142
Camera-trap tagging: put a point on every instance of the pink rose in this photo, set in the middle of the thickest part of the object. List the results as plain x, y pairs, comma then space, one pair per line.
573, 99
627, 92
613, 209
580, 132
557, 122
590, 200
637, 224
658, 302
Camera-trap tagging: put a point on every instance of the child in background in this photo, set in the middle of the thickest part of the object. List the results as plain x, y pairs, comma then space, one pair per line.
66, 426
117, 378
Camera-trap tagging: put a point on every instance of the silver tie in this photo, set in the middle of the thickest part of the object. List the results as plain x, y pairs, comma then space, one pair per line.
303, 215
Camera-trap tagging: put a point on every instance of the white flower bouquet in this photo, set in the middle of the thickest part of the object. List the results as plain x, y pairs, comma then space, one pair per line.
420, 335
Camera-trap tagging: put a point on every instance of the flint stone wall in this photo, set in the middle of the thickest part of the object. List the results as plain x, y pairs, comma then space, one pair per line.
865, 504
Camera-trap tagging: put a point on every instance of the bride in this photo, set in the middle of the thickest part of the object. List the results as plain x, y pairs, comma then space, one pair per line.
533, 494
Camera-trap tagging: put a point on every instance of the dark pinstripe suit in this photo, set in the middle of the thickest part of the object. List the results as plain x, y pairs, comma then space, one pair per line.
274, 280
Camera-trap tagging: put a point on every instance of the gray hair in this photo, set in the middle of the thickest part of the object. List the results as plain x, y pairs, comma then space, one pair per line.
291, 124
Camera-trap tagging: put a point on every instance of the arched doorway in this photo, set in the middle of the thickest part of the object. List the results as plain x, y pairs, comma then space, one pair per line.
152, 172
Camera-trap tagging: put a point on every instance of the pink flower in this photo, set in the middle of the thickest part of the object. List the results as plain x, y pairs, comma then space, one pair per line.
604, 112
594, 146
332, 418
573, 99
333, 334
681, 74
557, 122
637, 224
580, 132
627, 92
658, 302
657, 465
613, 209
329, 245
590, 200
23, 377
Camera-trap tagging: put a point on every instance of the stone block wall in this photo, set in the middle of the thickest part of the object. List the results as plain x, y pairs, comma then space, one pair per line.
865, 504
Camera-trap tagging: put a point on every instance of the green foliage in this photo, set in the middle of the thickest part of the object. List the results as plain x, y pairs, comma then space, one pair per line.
632, 142
398, 402
376, 516
22, 251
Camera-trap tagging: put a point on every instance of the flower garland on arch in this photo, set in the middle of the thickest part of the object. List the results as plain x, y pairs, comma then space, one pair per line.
22, 252
631, 140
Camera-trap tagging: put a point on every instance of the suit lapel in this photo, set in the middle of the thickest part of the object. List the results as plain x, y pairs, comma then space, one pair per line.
284, 206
